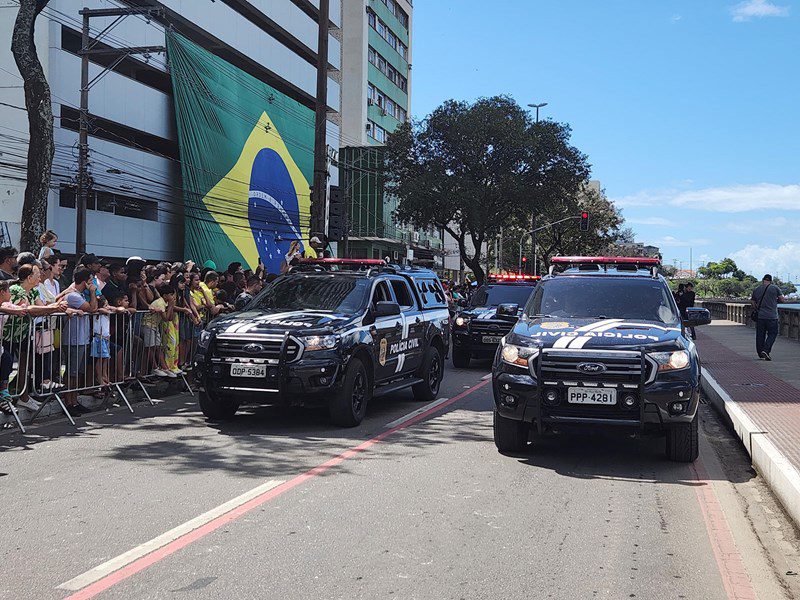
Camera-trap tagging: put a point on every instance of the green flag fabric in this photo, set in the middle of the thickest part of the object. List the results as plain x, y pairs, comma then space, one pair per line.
247, 159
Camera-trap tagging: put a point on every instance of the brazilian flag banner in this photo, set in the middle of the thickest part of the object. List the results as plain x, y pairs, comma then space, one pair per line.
247, 160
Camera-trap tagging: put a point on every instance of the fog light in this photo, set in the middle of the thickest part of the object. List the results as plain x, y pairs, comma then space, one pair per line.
323, 381
629, 401
676, 408
551, 397
509, 400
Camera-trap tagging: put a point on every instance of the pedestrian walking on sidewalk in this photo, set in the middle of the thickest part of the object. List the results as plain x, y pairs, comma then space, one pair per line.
765, 301
688, 300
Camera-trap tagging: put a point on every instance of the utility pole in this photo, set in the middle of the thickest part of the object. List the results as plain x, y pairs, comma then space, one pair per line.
88, 48
83, 142
320, 186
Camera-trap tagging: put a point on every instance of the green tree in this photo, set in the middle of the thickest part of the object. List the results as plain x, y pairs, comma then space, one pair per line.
472, 168
41, 146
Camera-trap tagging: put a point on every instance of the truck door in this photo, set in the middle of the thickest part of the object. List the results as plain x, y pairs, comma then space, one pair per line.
412, 343
387, 334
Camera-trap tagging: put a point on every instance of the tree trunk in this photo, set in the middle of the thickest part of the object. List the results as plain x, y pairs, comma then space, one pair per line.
41, 146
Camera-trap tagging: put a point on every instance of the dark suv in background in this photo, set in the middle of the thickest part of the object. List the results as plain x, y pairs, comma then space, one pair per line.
601, 343
479, 326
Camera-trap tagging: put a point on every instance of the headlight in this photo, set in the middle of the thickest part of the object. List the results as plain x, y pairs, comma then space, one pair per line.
205, 339
320, 342
462, 321
671, 361
517, 355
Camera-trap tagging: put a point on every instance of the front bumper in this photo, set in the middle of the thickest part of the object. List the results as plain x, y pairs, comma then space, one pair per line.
466, 341
309, 381
518, 396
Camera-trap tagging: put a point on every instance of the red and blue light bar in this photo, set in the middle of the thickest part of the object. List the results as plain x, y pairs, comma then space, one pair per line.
513, 277
606, 260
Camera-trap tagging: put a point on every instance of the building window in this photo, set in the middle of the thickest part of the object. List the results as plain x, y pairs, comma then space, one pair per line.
387, 34
384, 67
117, 204
376, 132
389, 106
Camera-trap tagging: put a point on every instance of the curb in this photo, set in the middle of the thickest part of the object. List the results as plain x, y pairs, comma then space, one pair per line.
781, 476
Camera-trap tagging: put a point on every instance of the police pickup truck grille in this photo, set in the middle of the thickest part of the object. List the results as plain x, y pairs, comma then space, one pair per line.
491, 327
264, 346
620, 367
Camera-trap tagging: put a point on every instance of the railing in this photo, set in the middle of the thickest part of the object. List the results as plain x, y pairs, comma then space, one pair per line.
56, 357
739, 312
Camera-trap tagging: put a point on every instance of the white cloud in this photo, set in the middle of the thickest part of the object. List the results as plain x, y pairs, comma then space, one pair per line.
676, 18
757, 260
757, 9
649, 221
669, 241
730, 199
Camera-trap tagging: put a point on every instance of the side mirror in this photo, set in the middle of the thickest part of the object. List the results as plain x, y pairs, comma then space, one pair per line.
695, 317
387, 309
508, 312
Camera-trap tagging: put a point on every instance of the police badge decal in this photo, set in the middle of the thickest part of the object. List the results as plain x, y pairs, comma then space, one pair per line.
382, 353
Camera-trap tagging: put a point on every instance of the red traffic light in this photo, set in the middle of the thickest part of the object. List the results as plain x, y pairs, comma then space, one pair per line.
584, 221
524, 259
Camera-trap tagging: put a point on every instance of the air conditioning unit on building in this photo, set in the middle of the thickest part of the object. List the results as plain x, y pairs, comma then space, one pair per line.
370, 101
415, 237
369, 127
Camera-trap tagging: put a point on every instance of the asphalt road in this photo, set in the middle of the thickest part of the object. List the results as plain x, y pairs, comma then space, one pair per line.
279, 504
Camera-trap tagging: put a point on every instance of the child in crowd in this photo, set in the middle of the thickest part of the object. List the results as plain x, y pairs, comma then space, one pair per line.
169, 329
48, 240
151, 335
101, 336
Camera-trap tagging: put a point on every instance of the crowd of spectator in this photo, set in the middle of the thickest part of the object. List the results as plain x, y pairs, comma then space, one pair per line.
74, 329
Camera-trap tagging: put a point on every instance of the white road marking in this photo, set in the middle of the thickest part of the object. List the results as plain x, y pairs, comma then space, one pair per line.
487, 376
110, 566
413, 414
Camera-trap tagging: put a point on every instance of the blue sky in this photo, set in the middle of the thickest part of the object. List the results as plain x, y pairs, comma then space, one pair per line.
689, 110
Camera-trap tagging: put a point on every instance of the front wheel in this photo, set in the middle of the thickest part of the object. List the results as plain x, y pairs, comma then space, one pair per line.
682, 441
510, 436
216, 409
431, 373
348, 407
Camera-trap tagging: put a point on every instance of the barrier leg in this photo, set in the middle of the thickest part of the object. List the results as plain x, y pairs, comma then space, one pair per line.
16, 417
124, 397
186, 383
146, 393
64, 408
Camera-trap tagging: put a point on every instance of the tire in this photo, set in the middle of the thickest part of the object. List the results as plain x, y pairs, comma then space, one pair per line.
215, 409
461, 358
348, 407
510, 436
682, 441
431, 372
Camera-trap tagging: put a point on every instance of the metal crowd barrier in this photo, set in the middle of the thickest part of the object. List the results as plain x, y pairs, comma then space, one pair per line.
56, 357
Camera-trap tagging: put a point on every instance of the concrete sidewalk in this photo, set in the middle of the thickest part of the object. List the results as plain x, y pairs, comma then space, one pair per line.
761, 399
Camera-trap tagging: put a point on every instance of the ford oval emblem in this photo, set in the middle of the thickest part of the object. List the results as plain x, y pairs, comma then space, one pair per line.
592, 368
253, 348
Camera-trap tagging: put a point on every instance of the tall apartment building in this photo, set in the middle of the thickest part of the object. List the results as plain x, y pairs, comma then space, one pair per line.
376, 92
136, 205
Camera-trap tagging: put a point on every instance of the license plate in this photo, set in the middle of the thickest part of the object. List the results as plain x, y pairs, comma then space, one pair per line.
579, 395
492, 339
248, 370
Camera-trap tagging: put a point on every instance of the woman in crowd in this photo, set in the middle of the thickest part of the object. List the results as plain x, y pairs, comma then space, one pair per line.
16, 332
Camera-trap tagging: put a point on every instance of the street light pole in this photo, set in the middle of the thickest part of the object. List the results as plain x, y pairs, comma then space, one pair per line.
537, 107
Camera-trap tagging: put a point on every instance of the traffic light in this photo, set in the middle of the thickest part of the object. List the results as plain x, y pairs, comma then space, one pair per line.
584, 221
524, 259
337, 215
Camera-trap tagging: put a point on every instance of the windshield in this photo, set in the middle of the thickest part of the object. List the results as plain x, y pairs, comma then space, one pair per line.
495, 295
334, 294
601, 297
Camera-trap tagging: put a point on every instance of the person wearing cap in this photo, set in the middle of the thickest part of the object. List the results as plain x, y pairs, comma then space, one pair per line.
765, 300
103, 275
210, 264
